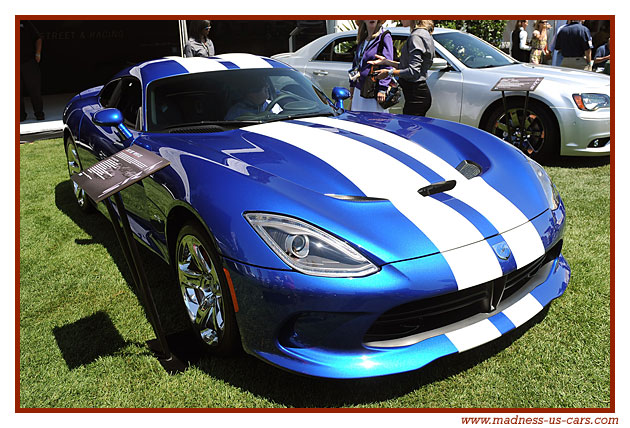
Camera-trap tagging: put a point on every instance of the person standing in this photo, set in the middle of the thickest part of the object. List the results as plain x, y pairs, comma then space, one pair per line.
199, 44
416, 58
602, 56
520, 49
371, 40
575, 43
30, 74
539, 42
556, 56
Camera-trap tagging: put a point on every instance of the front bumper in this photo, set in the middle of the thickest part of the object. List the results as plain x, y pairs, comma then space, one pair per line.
317, 326
585, 133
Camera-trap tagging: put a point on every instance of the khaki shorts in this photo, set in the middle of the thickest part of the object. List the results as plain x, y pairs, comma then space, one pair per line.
577, 62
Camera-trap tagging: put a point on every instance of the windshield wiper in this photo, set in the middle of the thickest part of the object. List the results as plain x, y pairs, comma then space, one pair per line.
212, 122
302, 116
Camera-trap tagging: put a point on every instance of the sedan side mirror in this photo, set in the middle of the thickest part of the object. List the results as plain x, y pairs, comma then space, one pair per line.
111, 117
440, 64
339, 94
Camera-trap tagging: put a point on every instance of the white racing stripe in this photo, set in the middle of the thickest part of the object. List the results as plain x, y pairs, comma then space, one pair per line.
198, 64
245, 60
523, 310
525, 244
473, 335
380, 175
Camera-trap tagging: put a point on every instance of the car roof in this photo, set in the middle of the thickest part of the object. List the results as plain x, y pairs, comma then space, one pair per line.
172, 66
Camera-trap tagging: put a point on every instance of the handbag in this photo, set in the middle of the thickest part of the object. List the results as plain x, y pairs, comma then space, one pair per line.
392, 96
370, 85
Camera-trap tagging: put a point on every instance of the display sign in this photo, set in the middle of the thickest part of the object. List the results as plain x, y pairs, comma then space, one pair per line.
517, 84
118, 172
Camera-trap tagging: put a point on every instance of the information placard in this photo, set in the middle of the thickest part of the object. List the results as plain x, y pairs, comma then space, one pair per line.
517, 84
118, 172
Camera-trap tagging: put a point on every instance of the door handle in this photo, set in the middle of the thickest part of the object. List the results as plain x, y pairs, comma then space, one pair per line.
320, 72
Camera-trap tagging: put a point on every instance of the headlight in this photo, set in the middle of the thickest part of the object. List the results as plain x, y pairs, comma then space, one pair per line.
309, 249
551, 193
591, 102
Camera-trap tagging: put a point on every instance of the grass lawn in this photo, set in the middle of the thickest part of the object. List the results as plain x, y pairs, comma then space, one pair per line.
83, 332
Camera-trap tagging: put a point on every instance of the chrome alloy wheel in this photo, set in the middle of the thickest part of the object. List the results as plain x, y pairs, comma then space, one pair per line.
201, 289
74, 167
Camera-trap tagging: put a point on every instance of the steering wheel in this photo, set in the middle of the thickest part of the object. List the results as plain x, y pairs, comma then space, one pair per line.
469, 57
281, 97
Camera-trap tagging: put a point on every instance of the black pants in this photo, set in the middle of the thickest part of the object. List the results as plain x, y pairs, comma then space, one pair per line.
417, 97
31, 82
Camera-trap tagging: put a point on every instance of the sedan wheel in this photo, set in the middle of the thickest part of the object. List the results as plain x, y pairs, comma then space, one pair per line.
204, 291
533, 132
74, 167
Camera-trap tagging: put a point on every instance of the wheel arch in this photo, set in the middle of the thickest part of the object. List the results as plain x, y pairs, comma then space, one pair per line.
178, 216
498, 103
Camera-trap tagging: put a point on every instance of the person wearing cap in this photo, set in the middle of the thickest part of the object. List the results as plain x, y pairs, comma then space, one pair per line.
575, 43
199, 44
416, 57
371, 40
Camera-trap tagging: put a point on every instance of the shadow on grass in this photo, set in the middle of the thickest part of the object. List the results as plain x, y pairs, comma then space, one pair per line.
87, 339
244, 371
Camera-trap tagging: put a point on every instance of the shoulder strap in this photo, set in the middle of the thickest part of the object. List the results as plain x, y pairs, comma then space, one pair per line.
381, 43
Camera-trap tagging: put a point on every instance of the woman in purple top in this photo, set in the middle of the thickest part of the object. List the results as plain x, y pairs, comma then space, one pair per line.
370, 38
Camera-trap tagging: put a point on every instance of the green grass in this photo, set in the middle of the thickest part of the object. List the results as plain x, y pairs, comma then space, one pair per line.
83, 332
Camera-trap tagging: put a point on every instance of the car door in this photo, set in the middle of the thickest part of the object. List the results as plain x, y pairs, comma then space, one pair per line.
330, 66
126, 95
447, 88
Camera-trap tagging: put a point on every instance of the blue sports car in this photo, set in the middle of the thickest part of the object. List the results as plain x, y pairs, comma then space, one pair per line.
325, 242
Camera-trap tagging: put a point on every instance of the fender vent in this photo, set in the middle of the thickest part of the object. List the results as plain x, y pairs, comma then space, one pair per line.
469, 169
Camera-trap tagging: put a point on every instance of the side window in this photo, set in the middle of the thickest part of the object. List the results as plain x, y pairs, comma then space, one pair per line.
339, 50
130, 102
110, 93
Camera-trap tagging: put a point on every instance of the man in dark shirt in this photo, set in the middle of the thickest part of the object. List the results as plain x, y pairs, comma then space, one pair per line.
30, 76
575, 43
602, 56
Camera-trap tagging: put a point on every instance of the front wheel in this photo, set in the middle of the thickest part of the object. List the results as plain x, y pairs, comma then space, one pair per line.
74, 167
536, 128
205, 293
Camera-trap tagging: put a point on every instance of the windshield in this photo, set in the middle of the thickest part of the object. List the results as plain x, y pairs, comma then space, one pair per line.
471, 51
232, 98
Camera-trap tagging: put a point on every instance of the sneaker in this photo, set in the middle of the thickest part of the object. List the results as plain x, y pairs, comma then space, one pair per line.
40, 116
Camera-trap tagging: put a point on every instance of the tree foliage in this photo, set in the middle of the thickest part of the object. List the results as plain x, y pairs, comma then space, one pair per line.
489, 30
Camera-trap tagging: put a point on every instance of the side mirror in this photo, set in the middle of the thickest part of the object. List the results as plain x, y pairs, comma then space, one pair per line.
111, 117
339, 94
439, 64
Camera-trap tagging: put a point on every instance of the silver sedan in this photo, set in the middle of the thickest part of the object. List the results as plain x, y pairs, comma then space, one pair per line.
567, 114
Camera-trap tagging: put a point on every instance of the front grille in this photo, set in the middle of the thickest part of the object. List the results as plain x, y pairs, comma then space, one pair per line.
439, 311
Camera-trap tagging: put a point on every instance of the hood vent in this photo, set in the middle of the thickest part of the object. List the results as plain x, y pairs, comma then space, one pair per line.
469, 169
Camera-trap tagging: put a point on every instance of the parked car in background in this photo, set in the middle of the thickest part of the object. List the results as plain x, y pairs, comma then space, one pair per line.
568, 114
326, 242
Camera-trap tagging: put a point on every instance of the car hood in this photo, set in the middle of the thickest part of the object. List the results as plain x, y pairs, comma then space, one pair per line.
578, 80
360, 176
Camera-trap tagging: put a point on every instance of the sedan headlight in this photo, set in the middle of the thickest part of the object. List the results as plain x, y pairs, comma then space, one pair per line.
551, 193
309, 249
591, 102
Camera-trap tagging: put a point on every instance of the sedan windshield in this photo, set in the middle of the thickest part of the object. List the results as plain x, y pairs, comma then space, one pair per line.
471, 51
232, 98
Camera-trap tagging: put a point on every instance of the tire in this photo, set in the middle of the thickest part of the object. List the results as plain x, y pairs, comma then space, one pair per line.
541, 132
206, 298
74, 167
